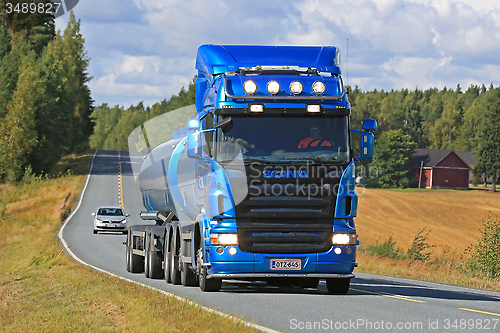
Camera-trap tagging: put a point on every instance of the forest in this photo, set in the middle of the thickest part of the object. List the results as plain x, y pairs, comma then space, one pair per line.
45, 103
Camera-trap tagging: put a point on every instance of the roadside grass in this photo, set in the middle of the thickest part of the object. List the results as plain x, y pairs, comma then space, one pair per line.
43, 290
391, 222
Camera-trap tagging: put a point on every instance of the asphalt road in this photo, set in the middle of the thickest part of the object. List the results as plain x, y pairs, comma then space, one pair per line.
374, 303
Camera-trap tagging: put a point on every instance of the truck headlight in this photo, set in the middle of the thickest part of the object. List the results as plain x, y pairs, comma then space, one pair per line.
344, 239
224, 239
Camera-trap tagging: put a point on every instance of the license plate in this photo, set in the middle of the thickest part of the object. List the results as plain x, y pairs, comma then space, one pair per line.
286, 264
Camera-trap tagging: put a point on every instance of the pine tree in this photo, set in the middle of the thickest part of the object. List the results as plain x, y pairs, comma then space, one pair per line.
18, 136
488, 139
392, 158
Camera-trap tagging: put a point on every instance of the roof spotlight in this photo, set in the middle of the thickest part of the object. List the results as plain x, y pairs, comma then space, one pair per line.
318, 87
273, 87
296, 87
250, 87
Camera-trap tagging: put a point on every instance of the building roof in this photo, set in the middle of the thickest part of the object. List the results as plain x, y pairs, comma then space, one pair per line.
431, 157
467, 157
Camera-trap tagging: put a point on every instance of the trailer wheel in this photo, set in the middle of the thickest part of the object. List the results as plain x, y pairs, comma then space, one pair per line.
175, 274
338, 286
136, 262
167, 257
207, 285
154, 261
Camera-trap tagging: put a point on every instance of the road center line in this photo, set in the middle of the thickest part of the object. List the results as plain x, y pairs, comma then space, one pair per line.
484, 312
390, 295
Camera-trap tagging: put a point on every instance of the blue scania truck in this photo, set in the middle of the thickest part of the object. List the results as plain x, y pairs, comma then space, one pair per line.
260, 183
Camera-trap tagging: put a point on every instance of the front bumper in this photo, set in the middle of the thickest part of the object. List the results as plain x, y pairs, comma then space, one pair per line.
110, 226
258, 265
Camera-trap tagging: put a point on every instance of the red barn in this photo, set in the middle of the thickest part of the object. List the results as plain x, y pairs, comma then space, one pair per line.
442, 168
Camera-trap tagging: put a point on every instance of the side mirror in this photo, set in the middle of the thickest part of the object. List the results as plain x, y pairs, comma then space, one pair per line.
193, 124
370, 125
194, 145
225, 124
93, 214
127, 215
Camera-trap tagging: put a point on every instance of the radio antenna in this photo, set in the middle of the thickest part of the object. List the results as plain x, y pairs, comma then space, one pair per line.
347, 65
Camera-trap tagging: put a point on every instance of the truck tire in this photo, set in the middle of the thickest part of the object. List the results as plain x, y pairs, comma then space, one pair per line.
166, 261
338, 286
188, 277
206, 285
175, 274
136, 262
155, 269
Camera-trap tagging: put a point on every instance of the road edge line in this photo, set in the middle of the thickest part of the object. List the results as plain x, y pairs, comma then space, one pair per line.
166, 293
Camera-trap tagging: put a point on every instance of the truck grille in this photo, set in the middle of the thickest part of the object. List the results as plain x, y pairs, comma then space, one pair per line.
283, 215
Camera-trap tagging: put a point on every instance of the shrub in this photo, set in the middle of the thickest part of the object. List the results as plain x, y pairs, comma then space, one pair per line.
485, 257
386, 249
419, 245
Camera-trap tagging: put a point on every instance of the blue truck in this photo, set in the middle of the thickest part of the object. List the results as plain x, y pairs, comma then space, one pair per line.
260, 183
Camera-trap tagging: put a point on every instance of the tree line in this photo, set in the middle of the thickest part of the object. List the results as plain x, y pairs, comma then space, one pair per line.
45, 103
112, 125
432, 119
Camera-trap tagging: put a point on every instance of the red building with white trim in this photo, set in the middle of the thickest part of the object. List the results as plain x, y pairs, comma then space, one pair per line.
441, 168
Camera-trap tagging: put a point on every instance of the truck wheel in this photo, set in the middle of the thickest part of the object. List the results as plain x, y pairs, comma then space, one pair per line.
188, 277
207, 285
136, 261
338, 286
166, 261
154, 262
175, 274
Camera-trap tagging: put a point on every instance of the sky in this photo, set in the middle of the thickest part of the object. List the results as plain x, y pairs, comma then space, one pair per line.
145, 50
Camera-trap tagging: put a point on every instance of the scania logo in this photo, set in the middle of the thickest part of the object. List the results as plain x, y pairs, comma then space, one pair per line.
285, 174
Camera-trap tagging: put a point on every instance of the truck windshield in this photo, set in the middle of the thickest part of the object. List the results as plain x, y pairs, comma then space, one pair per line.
281, 139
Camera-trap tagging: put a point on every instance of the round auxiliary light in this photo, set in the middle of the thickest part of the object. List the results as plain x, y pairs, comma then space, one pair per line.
296, 87
319, 87
250, 87
273, 87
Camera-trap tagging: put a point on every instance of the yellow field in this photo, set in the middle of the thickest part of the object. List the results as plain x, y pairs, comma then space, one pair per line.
454, 218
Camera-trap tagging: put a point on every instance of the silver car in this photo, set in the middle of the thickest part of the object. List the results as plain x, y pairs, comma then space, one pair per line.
110, 218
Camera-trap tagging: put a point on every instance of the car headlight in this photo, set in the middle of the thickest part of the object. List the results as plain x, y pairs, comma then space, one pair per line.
344, 239
224, 239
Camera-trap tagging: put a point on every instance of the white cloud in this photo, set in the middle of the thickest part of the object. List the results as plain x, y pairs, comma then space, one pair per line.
146, 48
